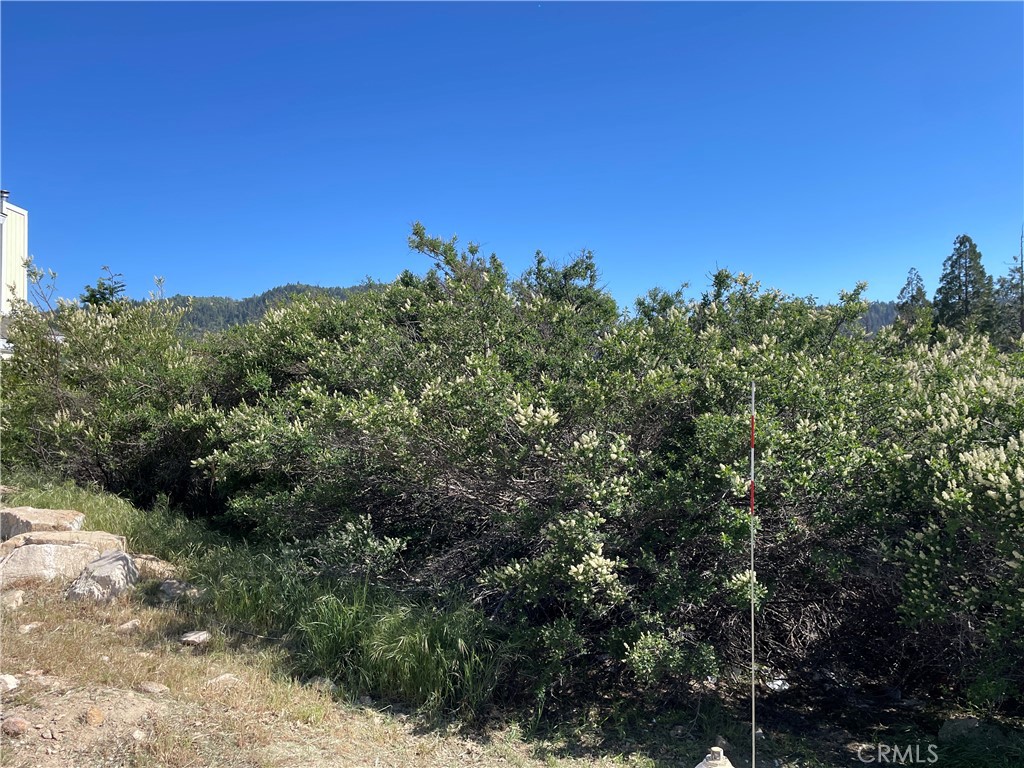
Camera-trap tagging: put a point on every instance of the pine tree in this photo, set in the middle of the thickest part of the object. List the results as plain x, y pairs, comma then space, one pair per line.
913, 310
964, 299
1010, 302
913, 295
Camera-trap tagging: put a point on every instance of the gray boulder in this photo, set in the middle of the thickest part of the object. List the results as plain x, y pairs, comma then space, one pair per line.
101, 541
15, 520
105, 578
46, 562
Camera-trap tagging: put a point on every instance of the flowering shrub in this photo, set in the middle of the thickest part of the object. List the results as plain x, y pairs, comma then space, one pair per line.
577, 475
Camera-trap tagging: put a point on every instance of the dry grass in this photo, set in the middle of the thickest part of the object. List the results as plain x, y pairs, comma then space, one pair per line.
75, 663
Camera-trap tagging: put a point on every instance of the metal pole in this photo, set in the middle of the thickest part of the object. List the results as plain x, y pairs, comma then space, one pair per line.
753, 661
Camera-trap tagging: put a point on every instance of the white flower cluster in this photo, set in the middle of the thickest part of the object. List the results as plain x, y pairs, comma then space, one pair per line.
532, 418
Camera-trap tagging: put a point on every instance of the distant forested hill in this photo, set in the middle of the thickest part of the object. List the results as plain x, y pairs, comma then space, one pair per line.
215, 313
879, 315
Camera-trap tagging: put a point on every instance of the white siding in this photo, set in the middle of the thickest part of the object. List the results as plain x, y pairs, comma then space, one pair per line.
15, 251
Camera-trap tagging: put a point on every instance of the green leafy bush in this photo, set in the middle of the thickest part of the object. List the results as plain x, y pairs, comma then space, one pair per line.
568, 484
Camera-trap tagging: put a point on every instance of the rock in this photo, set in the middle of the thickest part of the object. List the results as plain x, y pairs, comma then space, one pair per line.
46, 562
24, 629
151, 567
139, 735
8, 683
129, 627
196, 637
16, 726
15, 520
778, 685
104, 579
715, 759
12, 599
225, 679
154, 688
47, 734
172, 590
93, 716
101, 541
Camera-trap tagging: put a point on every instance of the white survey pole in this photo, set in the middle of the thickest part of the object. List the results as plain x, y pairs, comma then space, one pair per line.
753, 659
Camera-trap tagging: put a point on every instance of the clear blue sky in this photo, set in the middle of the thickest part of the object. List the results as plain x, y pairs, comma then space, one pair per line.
234, 147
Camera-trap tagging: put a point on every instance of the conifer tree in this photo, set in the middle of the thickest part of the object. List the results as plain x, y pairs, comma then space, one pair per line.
964, 298
1010, 297
913, 310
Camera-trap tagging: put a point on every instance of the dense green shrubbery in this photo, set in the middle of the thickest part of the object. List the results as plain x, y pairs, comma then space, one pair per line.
573, 477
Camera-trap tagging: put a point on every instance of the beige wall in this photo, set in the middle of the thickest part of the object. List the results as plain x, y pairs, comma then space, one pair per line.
15, 251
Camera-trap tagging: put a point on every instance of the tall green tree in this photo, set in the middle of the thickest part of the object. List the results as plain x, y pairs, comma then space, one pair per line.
965, 297
1010, 298
913, 310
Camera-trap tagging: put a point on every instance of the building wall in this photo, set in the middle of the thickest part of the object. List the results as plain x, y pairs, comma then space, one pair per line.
12, 260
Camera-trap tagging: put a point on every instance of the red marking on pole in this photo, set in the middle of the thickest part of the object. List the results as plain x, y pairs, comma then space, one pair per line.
751, 462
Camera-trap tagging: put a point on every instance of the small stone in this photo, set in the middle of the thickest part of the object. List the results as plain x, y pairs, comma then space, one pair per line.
16, 726
8, 683
151, 687
47, 734
93, 716
105, 658
196, 637
225, 679
129, 627
139, 735
12, 599
778, 685
24, 629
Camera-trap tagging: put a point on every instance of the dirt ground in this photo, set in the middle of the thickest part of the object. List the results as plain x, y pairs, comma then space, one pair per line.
92, 696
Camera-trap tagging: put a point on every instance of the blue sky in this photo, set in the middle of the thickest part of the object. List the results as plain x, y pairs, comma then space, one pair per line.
232, 147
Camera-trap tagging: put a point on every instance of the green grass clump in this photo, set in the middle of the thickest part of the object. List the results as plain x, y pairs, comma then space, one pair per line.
441, 660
